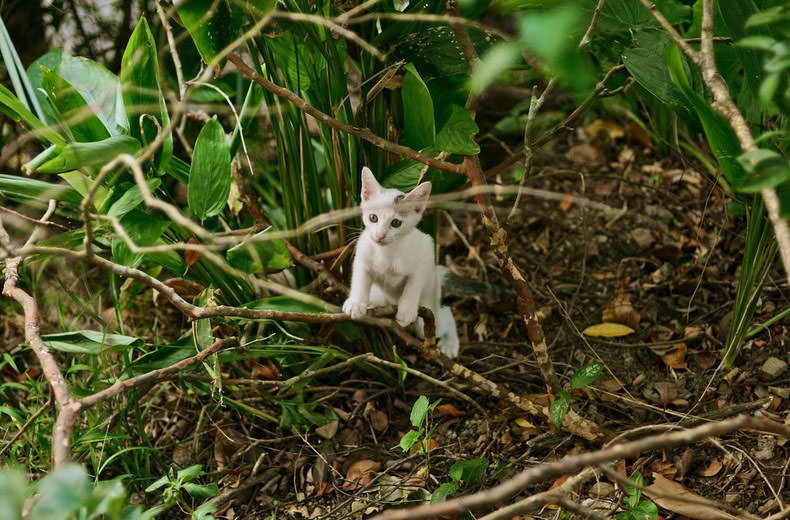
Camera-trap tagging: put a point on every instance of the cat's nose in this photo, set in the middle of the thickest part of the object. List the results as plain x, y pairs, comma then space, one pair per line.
380, 238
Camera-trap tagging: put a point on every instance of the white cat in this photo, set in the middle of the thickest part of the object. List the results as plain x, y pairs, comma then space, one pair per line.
394, 261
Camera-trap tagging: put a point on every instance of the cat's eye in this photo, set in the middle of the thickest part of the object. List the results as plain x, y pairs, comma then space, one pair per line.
373, 218
396, 223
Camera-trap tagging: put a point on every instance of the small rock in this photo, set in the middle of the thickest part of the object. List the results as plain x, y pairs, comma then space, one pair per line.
658, 213
731, 498
766, 445
601, 489
642, 236
773, 368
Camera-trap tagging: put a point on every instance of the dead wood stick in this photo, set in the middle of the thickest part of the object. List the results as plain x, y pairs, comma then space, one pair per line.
572, 464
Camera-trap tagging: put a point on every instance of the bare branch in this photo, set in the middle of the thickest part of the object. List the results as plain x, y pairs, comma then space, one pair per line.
574, 463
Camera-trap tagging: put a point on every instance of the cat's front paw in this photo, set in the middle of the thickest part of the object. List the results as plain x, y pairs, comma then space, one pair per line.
354, 308
406, 315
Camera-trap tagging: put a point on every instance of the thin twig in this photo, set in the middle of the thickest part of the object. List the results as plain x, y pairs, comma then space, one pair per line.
574, 463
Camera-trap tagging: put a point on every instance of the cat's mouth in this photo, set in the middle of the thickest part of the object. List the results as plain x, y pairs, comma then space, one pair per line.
381, 241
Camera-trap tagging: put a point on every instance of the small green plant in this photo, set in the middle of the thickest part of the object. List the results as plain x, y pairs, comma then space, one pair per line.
174, 483
584, 376
66, 494
420, 419
636, 509
463, 474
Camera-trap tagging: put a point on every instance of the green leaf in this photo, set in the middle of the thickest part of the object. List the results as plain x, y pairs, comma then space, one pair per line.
26, 188
209, 175
89, 342
409, 440
559, 408
442, 492
457, 132
50, 60
767, 169
721, 138
419, 411
586, 375
493, 64
652, 74
646, 510
61, 493
249, 112
190, 473
256, 255
204, 512
468, 470
540, 32
12, 496
161, 482
212, 24
143, 229
132, 198
142, 93
89, 155
419, 126
82, 183
635, 493
201, 492
284, 303
100, 88
16, 110
72, 110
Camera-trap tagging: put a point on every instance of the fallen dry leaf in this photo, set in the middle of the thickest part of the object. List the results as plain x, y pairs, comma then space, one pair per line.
620, 310
191, 256
360, 474
585, 154
611, 128
608, 330
449, 410
676, 358
566, 204
713, 468
677, 505
268, 371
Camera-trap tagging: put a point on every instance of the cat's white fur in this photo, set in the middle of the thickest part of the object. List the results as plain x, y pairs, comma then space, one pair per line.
395, 265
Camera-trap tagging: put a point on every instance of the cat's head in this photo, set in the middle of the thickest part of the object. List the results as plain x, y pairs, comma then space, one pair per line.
390, 214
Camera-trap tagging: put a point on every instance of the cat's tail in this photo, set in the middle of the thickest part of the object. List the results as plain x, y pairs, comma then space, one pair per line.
454, 285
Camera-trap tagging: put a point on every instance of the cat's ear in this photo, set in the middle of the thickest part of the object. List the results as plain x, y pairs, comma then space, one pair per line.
418, 197
370, 186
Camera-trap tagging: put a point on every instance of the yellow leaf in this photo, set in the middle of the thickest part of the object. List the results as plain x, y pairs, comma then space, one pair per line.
524, 423
608, 330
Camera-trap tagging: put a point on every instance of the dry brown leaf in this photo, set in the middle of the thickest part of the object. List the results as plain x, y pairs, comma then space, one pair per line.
677, 505
268, 371
184, 288
190, 256
566, 204
449, 410
713, 468
620, 310
664, 468
585, 154
676, 358
611, 128
608, 330
360, 474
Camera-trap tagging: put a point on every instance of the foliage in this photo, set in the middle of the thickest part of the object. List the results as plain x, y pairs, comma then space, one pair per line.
635, 508
585, 376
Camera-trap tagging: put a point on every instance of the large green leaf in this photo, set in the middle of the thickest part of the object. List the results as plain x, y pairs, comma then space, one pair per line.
652, 74
721, 138
210, 175
12, 498
255, 256
61, 493
27, 188
89, 155
132, 198
767, 169
420, 128
50, 60
142, 93
100, 88
457, 130
89, 341
78, 117
11, 106
213, 24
